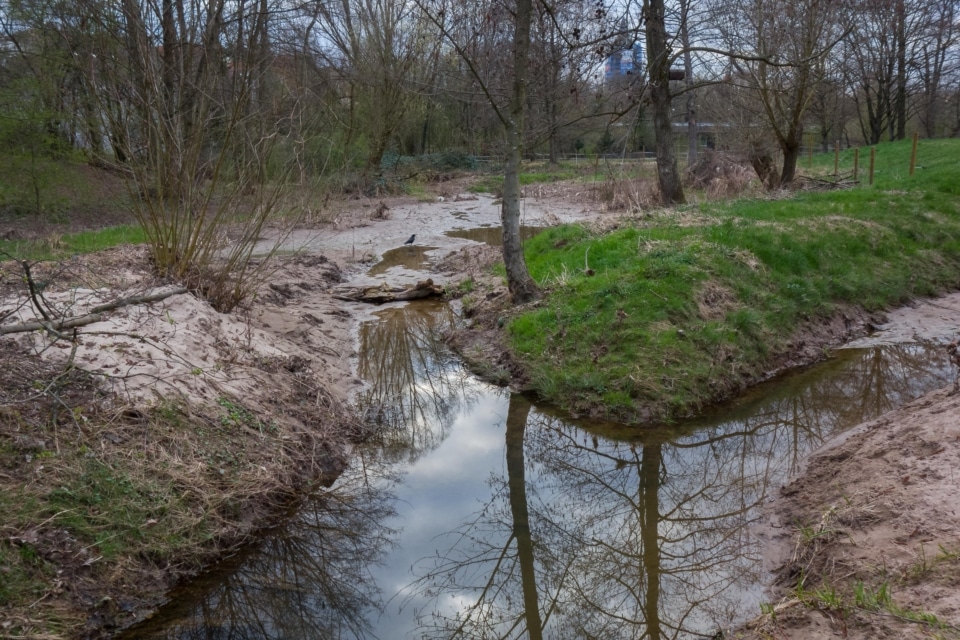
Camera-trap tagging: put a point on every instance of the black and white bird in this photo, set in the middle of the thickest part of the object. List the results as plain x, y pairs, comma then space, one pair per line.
412, 238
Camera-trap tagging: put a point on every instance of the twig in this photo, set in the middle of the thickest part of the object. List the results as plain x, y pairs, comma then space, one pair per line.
153, 297
33, 290
52, 325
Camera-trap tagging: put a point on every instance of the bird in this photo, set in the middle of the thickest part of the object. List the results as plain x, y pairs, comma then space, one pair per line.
412, 238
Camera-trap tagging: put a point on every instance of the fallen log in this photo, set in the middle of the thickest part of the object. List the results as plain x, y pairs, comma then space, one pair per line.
386, 293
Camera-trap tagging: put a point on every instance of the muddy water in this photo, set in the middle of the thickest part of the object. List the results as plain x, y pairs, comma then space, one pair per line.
478, 514
492, 235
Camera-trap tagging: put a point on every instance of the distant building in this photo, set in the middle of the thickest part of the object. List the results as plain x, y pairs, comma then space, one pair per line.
628, 62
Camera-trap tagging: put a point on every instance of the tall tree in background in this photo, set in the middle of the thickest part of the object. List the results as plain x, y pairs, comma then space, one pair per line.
460, 26
522, 287
890, 43
780, 46
384, 52
689, 82
937, 59
658, 70
481, 34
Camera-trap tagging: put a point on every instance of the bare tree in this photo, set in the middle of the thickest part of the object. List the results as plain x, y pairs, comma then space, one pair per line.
510, 110
780, 50
691, 100
384, 53
937, 58
658, 69
183, 90
891, 44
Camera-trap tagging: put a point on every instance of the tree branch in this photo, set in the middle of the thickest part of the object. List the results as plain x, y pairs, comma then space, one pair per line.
95, 315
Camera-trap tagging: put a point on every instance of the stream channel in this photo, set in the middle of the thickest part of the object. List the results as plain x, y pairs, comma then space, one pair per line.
480, 514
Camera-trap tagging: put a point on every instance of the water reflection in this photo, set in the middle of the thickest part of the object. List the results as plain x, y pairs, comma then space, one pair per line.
645, 534
492, 236
522, 523
415, 385
312, 579
412, 257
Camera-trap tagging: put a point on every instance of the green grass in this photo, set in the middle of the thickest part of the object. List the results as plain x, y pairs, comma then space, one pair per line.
867, 600
72, 243
57, 187
25, 573
494, 183
679, 314
487, 184
109, 508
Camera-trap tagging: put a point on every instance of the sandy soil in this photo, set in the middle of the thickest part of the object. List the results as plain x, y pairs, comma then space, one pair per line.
875, 507
880, 501
181, 346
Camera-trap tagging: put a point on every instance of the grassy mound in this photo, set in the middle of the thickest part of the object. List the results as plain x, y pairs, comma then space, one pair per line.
668, 313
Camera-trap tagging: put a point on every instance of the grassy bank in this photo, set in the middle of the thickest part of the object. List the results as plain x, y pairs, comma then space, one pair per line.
682, 308
104, 507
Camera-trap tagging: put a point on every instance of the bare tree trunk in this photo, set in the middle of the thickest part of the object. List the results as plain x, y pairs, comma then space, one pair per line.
554, 132
691, 116
668, 175
522, 287
901, 103
649, 507
791, 153
763, 164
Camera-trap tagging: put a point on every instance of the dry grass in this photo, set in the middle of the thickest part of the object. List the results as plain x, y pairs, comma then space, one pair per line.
721, 176
627, 194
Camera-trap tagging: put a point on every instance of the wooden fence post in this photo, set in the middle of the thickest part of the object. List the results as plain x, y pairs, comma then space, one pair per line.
873, 157
913, 152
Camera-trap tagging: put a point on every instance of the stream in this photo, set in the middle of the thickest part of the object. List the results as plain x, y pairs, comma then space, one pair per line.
477, 513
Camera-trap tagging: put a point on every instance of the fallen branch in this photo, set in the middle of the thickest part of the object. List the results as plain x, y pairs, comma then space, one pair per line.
385, 293
839, 183
95, 315
153, 297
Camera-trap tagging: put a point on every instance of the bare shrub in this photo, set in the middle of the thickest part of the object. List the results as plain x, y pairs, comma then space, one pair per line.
197, 131
720, 175
627, 194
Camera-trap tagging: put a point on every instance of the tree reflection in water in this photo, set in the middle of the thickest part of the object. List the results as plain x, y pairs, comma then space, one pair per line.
644, 534
312, 579
416, 385
584, 530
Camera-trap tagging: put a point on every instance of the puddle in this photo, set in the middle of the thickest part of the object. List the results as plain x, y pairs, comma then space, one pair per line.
492, 235
412, 257
477, 513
